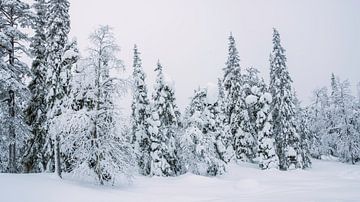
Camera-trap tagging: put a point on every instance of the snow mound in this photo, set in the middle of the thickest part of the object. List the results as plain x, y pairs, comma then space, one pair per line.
251, 99
325, 181
267, 97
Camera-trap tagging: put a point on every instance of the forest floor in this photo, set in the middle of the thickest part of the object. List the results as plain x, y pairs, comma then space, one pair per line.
325, 181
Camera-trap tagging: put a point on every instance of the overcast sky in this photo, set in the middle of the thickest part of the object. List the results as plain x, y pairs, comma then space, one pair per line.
190, 37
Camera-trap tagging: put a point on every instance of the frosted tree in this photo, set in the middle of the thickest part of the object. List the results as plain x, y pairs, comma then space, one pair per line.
14, 15
330, 140
34, 159
318, 116
233, 102
200, 138
303, 129
57, 75
96, 134
253, 88
140, 114
267, 156
224, 146
348, 141
165, 124
284, 128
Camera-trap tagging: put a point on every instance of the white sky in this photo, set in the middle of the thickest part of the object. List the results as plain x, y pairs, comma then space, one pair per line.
190, 37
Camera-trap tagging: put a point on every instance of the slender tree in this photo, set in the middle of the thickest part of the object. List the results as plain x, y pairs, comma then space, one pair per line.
233, 103
287, 138
140, 115
14, 15
57, 76
34, 158
165, 157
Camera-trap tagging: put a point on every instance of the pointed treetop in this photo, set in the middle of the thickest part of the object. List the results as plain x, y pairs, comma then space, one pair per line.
137, 59
160, 75
277, 42
276, 34
159, 67
233, 61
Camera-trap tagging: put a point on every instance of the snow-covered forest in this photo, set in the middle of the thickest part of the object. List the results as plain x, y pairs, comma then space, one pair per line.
63, 112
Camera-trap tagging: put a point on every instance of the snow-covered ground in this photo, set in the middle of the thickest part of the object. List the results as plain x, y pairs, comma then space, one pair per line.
326, 181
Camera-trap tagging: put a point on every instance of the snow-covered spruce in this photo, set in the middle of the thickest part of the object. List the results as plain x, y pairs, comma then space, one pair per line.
140, 115
34, 159
303, 128
288, 143
164, 127
267, 156
201, 142
57, 76
234, 104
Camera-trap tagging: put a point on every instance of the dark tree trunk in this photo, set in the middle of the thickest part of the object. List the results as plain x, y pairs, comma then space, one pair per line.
57, 157
12, 135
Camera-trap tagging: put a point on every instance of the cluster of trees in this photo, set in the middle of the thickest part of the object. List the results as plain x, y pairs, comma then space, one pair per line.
333, 122
248, 121
67, 118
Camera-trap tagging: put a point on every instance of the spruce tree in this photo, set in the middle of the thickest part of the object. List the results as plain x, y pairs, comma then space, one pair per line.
224, 146
34, 159
200, 138
140, 115
266, 141
233, 102
165, 157
283, 107
57, 30
303, 129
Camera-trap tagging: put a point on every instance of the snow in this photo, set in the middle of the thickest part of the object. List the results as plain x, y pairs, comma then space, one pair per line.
251, 99
291, 151
212, 93
169, 81
267, 97
326, 181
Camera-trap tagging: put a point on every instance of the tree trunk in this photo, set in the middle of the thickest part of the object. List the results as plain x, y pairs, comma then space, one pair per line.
57, 157
12, 135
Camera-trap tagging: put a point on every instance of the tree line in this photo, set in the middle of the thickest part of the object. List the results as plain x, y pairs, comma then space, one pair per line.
63, 113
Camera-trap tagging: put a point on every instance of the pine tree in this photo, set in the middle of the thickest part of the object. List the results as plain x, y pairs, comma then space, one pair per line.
140, 115
34, 159
286, 136
14, 15
165, 159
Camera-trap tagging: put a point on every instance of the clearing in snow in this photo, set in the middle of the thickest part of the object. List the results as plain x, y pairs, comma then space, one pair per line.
325, 181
